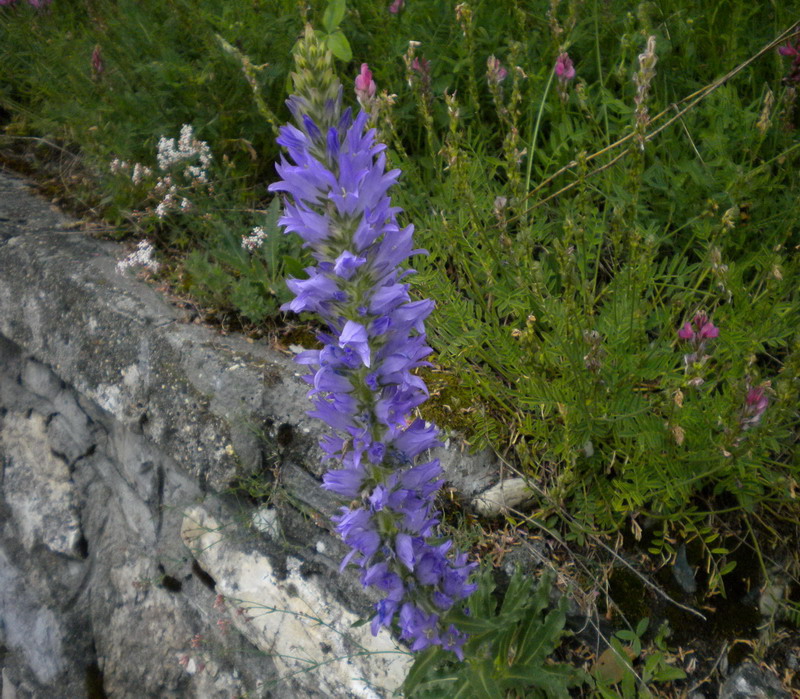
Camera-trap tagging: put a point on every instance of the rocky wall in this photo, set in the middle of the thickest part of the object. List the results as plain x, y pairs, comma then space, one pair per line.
162, 528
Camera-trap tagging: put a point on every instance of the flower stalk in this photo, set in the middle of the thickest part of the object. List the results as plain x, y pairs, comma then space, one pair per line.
363, 384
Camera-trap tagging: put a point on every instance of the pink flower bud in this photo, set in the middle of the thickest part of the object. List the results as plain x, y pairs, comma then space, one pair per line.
365, 87
423, 67
565, 70
97, 62
396, 6
755, 404
757, 400
495, 73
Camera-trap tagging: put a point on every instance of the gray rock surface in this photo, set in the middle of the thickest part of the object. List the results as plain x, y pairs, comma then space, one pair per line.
132, 560
749, 681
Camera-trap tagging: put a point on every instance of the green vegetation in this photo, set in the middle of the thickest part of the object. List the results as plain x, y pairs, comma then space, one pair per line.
576, 221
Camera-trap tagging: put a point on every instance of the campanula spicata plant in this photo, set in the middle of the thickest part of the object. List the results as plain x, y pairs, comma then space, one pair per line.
362, 381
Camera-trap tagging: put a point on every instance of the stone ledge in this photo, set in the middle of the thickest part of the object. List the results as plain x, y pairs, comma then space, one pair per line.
131, 418
202, 397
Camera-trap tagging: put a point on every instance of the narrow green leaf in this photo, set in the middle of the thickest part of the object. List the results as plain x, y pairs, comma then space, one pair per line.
668, 673
555, 680
541, 638
482, 684
425, 663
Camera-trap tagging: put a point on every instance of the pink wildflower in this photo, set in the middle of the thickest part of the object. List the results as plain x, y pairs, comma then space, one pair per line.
793, 50
396, 6
755, 404
495, 73
224, 625
365, 87
708, 332
697, 332
565, 70
423, 67
97, 62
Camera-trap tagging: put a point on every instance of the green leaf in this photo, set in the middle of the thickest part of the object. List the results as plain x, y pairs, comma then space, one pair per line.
339, 46
425, 663
553, 679
293, 266
481, 684
641, 627
334, 13
668, 673
541, 638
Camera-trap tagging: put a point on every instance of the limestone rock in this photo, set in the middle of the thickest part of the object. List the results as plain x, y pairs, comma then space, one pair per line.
295, 618
37, 486
509, 493
749, 681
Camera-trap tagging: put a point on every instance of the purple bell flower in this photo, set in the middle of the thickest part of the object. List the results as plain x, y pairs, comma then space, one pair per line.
363, 382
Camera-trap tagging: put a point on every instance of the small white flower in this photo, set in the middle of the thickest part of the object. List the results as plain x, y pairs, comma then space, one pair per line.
139, 173
255, 240
141, 257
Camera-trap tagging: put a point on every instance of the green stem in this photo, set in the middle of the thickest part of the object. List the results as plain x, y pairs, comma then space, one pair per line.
532, 146
600, 71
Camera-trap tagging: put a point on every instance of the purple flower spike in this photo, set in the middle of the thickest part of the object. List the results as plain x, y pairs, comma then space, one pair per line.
363, 381
354, 336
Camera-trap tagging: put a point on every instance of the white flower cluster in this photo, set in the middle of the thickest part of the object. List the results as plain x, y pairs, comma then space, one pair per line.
170, 154
255, 240
187, 148
185, 164
138, 174
141, 257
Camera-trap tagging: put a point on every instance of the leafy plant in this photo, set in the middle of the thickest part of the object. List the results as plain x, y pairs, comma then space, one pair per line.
333, 36
628, 667
228, 275
509, 650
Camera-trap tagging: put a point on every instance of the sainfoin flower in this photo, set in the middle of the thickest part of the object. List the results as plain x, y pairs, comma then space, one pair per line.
755, 404
792, 50
565, 69
365, 87
362, 381
697, 333
98, 68
495, 72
